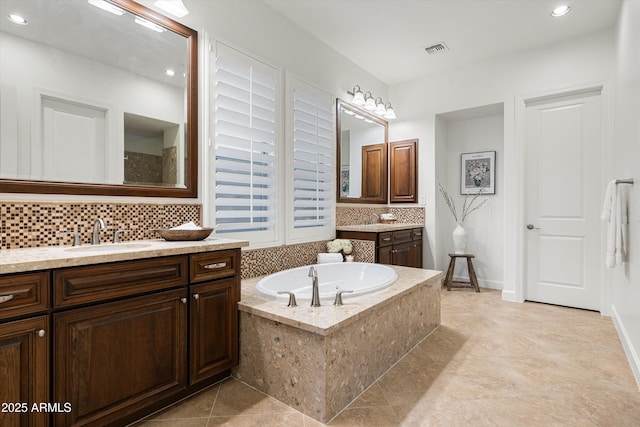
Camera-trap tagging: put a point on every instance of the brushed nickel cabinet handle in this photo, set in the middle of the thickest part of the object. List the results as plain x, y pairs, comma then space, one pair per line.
5, 298
386, 239
216, 265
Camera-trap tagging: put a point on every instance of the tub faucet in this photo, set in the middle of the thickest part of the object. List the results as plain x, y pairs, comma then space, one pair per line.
315, 296
97, 226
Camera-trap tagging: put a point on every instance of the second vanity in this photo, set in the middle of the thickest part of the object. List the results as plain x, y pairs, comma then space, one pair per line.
98, 335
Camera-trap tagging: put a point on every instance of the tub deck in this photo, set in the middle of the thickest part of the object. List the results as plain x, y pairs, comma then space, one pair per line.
318, 359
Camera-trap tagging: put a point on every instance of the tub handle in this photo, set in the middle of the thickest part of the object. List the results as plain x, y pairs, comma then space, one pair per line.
292, 298
338, 300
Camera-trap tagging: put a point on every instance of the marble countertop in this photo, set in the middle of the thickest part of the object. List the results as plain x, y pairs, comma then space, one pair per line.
377, 228
328, 318
32, 259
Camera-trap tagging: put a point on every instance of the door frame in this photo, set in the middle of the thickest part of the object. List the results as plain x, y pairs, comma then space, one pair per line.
517, 243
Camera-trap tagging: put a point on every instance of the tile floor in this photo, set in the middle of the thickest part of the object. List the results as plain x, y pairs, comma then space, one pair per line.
490, 363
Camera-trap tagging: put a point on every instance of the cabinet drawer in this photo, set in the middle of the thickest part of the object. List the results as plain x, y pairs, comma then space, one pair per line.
214, 265
385, 239
401, 236
24, 294
416, 234
96, 283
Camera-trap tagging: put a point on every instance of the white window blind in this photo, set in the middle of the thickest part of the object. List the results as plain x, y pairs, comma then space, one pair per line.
313, 171
245, 159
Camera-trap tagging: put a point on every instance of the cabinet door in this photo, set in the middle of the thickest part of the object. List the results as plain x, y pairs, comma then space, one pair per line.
401, 254
214, 328
415, 255
374, 172
111, 359
385, 255
24, 371
403, 171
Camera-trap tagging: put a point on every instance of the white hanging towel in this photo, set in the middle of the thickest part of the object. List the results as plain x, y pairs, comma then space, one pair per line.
614, 211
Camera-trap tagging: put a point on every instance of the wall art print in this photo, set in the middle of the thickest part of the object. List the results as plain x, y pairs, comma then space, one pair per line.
478, 173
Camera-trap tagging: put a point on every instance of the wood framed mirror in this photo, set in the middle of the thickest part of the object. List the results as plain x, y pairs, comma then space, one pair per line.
97, 100
361, 155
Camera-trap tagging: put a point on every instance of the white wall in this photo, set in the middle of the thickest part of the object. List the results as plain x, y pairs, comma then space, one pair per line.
485, 226
500, 80
626, 279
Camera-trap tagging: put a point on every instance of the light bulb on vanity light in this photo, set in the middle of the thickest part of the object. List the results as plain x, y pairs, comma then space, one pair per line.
380, 110
358, 96
560, 11
389, 114
369, 102
174, 7
108, 7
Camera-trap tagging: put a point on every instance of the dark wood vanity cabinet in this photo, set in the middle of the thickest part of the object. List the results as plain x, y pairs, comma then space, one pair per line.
399, 247
403, 171
24, 349
116, 341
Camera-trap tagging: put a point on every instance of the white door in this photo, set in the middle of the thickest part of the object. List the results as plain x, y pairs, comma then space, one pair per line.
563, 142
73, 142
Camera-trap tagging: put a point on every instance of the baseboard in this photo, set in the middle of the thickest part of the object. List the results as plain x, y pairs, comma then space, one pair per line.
627, 345
509, 296
483, 283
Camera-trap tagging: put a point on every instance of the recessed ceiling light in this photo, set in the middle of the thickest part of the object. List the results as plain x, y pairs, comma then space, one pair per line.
17, 19
170, 72
560, 11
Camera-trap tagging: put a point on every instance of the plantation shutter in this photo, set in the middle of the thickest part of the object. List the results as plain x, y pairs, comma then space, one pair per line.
313, 163
245, 160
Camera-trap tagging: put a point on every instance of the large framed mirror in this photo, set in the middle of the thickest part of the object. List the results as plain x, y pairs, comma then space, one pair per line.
97, 97
362, 155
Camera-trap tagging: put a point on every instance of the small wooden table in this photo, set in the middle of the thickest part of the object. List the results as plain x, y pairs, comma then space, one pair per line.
473, 280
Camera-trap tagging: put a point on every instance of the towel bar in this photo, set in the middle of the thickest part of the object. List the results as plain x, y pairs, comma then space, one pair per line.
624, 181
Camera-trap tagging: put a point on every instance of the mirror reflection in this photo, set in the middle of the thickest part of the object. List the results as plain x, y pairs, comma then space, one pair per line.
92, 93
362, 150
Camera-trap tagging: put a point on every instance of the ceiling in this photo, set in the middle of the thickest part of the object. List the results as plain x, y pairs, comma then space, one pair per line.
388, 37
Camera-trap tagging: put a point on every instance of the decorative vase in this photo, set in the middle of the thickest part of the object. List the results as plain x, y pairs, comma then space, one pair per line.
459, 240
477, 181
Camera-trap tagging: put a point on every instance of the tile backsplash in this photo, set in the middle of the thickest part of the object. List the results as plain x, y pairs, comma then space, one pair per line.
37, 224
357, 215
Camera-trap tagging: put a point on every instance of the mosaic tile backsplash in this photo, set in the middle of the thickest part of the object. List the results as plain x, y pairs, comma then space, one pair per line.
34, 224
358, 215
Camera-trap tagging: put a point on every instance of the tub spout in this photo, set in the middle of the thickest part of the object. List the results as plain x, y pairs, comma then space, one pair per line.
315, 296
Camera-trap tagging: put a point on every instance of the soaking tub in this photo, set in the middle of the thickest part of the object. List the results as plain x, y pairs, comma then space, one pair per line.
359, 277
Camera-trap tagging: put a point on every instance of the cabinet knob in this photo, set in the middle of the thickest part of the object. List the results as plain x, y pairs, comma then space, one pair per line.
41, 333
196, 296
183, 300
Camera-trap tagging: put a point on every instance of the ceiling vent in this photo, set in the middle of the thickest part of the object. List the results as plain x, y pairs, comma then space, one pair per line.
437, 48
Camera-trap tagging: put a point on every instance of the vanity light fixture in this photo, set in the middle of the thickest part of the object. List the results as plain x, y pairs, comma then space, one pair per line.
148, 24
374, 104
389, 113
358, 96
17, 19
106, 6
560, 11
174, 7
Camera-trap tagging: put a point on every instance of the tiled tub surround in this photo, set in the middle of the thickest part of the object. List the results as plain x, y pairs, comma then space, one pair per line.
260, 262
36, 224
318, 360
358, 215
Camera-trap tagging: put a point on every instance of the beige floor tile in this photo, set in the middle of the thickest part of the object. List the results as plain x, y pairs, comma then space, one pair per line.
184, 422
236, 398
197, 406
259, 420
366, 417
371, 397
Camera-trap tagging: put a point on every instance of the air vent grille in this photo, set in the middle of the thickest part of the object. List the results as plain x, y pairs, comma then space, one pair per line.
437, 48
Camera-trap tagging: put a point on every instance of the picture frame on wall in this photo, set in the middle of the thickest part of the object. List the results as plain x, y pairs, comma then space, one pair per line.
478, 173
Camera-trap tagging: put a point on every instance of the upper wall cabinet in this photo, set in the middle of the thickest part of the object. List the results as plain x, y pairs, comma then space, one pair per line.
97, 100
403, 171
361, 156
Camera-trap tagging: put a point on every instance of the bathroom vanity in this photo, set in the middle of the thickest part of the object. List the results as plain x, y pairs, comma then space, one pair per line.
395, 244
106, 336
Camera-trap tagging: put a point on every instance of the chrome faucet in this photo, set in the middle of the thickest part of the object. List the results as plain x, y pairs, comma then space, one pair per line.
97, 226
315, 296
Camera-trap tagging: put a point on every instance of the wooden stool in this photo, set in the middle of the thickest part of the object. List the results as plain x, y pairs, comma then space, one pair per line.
473, 280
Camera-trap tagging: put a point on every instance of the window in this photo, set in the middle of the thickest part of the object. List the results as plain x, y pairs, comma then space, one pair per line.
311, 200
245, 147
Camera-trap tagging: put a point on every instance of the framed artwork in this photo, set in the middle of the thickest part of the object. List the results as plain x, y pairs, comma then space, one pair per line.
344, 181
478, 173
